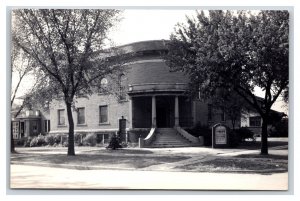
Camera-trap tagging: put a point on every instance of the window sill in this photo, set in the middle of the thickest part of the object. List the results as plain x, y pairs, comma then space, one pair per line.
61, 126
81, 125
104, 123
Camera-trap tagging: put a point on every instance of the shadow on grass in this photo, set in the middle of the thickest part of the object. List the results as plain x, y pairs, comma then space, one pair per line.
86, 160
255, 165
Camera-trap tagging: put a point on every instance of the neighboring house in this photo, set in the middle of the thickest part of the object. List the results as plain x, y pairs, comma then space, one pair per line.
30, 123
253, 120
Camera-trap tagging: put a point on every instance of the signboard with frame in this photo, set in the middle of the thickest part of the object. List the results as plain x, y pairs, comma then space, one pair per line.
220, 136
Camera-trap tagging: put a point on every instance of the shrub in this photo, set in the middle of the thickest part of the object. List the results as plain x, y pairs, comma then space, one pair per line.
280, 129
38, 141
233, 138
65, 144
89, 140
27, 142
244, 133
202, 130
114, 142
78, 138
21, 141
50, 140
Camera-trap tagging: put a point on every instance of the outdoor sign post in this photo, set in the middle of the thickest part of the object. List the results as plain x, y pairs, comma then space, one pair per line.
220, 137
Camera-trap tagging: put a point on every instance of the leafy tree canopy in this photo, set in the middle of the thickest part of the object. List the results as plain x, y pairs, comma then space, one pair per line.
236, 51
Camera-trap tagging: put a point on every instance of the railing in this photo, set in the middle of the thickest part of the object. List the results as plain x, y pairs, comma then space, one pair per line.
147, 141
156, 87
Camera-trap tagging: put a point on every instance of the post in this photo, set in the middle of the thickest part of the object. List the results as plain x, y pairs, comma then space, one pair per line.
130, 118
194, 112
176, 112
153, 112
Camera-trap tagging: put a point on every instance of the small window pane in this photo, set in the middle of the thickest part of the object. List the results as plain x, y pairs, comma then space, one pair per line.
103, 114
81, 116
255, 121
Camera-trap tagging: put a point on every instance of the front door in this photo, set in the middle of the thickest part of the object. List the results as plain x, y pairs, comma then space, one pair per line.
165, 111
22, 128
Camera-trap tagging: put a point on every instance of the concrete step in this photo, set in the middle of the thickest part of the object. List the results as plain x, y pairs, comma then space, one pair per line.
168, 137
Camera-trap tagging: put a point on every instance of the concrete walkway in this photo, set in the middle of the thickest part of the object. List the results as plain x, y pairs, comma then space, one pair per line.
32, 177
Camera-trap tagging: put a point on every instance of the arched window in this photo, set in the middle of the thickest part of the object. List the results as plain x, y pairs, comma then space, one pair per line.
104, 84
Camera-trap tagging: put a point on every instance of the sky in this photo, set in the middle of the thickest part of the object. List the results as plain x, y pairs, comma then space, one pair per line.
148, 24
139, 25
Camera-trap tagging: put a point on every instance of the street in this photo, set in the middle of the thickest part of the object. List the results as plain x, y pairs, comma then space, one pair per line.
33, 177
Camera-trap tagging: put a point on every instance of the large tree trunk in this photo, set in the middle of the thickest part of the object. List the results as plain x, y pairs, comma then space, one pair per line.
71, 148
264, 136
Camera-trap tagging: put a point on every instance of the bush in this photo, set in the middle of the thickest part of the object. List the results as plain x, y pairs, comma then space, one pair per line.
78, 139
38, 141
21, 141
244, 133
114, 142
233, 138
280, 129
50, 140
90, 140
27, 142
202, 130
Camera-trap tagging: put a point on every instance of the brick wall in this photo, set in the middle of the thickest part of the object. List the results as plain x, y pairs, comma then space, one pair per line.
115, 111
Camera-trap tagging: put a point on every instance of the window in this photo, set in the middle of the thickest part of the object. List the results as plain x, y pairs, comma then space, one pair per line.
209, 107
103, 83
255, 121
47, 126
103, 115
61, 117
81, 115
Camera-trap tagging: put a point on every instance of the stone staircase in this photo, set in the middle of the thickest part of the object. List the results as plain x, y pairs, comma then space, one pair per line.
169, 137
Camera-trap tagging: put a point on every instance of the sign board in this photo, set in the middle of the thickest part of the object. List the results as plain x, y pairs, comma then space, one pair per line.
219, 136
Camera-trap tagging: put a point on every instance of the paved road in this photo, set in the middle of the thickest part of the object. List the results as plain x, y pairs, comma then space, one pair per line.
23, 176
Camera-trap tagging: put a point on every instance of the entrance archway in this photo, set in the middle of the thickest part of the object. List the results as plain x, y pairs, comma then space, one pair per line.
165, 111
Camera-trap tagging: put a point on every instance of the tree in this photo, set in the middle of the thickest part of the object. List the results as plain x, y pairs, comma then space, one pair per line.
235, 51
21, 66
68, 47
231, 104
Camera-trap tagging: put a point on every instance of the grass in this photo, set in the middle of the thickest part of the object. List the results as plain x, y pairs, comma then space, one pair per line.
234, 164
84, 160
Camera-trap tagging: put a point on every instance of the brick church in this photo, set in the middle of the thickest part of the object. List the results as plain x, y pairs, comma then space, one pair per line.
151, 99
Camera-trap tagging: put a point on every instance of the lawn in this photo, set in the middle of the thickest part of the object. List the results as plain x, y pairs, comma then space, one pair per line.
104, 160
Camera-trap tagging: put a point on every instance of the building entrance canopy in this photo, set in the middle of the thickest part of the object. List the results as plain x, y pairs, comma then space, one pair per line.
162, 111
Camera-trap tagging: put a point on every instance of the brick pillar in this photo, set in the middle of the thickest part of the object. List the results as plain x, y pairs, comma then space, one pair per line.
176, 112
153, 112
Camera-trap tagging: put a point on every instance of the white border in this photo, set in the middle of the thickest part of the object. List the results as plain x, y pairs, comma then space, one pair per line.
139, 195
